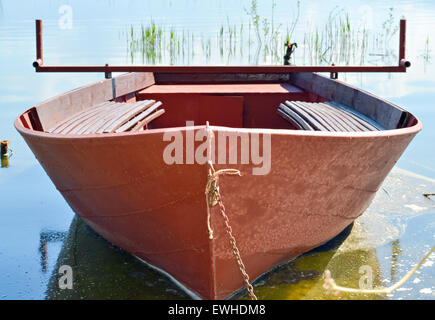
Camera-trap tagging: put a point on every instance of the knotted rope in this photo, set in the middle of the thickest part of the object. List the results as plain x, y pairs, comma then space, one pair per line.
212, 195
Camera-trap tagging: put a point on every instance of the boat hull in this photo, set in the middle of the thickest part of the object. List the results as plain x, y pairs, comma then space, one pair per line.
120, 184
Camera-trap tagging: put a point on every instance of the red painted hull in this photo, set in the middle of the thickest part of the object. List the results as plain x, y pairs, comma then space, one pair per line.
318, 184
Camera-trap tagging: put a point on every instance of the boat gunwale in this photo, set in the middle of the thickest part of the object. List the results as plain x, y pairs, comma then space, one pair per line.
148, 80
290, 132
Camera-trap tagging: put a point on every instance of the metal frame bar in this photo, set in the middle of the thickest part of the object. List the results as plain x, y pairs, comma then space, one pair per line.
403, 64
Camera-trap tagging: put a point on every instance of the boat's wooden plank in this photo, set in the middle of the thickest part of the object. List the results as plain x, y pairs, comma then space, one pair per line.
123, 117
347, 118
91, 122
69, 126
110, 119
78, 117
104, 118
71, 121
131, 123
385, 113
148, 119
326, 123
312, 121
80, 127
288, 118
342, 119
294, 117
113, 116
339, 117
54, 110
323, 117
365, 121
326, 116
83, 121
101, 119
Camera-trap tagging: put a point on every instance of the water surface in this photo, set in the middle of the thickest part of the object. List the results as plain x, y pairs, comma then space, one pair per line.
37, 229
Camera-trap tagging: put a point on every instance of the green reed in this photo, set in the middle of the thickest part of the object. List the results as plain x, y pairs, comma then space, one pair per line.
261, 40
426, 55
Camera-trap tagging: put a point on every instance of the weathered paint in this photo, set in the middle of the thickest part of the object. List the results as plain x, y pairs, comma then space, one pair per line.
119, 184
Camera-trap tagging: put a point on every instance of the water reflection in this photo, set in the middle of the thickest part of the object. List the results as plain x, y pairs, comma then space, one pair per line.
103, 271
395, 255
5, 161
5, 153
46, 237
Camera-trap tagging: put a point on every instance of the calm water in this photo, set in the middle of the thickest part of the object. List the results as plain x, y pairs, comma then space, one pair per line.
37, 229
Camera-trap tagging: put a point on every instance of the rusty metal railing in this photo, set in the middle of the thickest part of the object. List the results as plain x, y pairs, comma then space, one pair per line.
402, 65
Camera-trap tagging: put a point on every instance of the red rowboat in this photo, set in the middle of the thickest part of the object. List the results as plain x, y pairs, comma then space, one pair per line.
312, 152
318, 181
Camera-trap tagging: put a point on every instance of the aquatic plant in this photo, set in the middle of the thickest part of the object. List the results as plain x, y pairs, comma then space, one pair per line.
255, 18
427, 52
338, 40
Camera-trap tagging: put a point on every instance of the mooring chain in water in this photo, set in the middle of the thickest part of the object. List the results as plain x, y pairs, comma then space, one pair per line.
213, 198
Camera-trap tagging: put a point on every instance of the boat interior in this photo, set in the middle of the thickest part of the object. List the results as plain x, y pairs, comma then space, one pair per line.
144, 101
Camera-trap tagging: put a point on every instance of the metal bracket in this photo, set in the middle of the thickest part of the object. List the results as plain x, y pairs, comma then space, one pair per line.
333, 75
107, 74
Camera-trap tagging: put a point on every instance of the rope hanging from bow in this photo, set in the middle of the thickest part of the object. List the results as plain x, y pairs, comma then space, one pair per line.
213, 198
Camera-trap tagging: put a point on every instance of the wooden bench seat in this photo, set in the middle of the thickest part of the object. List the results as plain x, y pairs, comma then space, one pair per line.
328, 116
111, 117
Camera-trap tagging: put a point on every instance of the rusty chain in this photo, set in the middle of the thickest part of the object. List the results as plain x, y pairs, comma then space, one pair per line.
213, 198
236, 252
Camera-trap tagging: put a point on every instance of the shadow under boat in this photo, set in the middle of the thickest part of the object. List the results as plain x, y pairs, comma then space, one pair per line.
104, 271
